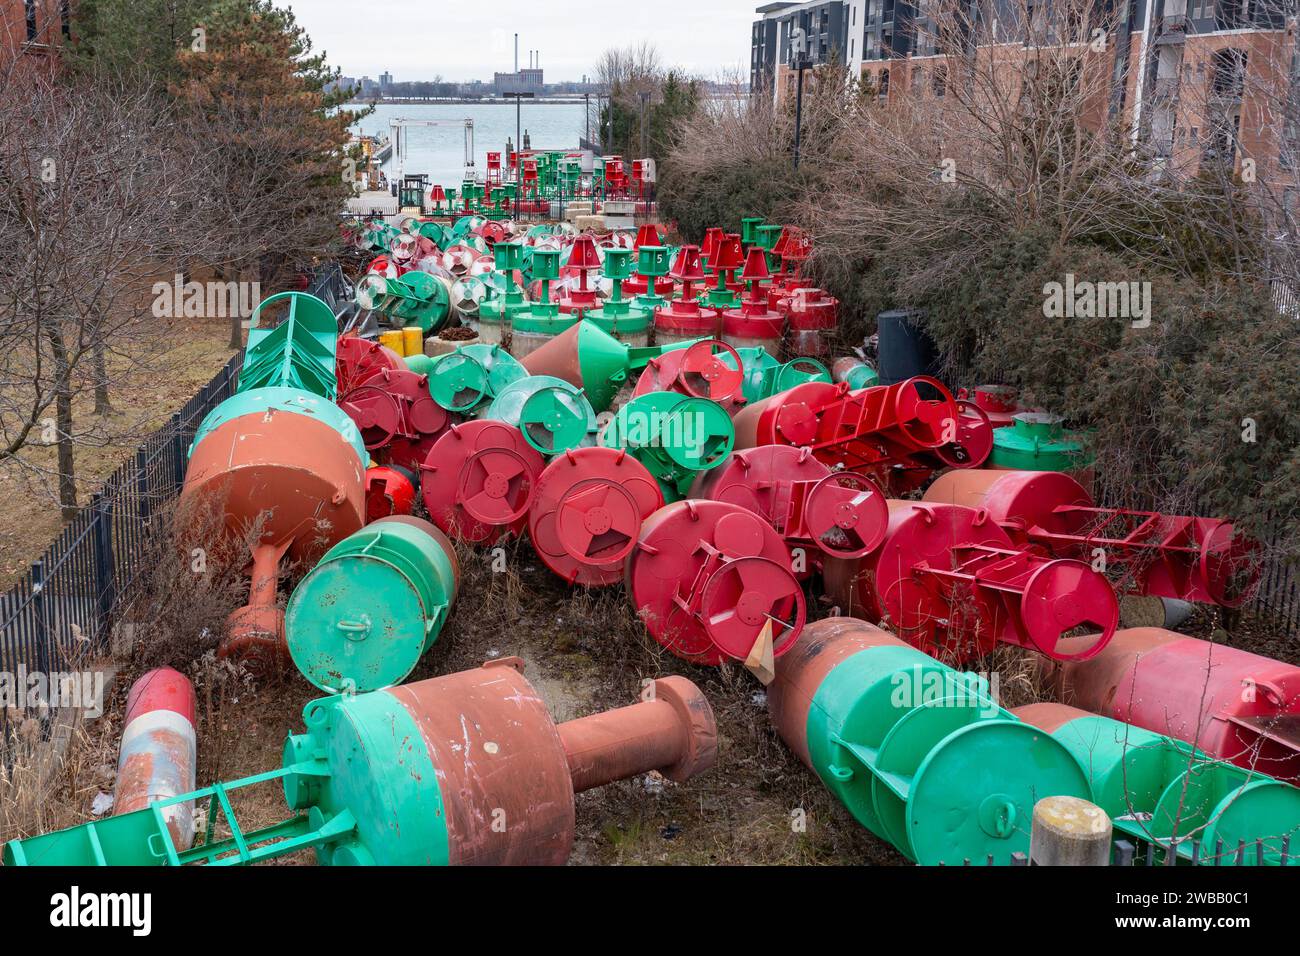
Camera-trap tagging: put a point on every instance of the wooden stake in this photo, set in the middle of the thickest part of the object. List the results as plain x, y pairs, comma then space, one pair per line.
760, 661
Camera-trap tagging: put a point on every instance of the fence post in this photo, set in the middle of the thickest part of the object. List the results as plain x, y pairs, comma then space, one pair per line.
142, 483
178, 459
43, 637
105, 587
1067, 831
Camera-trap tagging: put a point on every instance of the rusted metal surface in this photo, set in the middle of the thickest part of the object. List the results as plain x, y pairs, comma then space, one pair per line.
558, 358
508, 773
293, 480
1049, 716
1232, 704
822, 645
158, 750
670, 730
500, 763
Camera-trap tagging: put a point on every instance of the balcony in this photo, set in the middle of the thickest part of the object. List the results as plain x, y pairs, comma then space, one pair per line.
1173, 30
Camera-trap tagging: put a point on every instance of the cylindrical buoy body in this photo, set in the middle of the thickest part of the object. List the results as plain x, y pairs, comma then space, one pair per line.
366, 614
159, 750
471, 769
1230, 703
920, 754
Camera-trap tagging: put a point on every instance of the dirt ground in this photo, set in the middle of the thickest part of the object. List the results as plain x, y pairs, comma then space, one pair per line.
155, 375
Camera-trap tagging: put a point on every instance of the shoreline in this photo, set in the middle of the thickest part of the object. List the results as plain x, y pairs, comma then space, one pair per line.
484, 101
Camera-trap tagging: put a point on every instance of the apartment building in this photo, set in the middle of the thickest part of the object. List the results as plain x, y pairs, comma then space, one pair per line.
832, 31
1193, 81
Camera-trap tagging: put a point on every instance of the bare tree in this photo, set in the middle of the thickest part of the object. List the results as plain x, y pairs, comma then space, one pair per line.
93, 199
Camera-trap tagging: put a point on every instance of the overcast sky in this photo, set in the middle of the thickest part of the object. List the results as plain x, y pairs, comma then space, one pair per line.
469, 39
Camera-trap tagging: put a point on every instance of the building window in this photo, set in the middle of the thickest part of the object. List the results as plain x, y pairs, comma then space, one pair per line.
1229, 72
1221, 143
884, 84
31, 21
939, 80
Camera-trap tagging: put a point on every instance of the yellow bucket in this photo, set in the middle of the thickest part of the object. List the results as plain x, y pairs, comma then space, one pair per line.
413, 340
393, 339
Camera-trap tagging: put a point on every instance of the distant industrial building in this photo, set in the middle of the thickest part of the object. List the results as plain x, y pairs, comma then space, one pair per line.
528, 80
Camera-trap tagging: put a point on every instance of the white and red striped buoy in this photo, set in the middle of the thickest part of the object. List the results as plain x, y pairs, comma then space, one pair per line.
157, 758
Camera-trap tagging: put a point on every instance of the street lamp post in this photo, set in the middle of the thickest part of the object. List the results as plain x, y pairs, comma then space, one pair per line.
519, 161
645, 97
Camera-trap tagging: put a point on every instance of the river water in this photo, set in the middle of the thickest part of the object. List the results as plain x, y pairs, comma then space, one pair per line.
439, 151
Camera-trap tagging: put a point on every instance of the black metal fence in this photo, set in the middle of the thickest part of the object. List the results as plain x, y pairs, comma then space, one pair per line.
1125, 852
62, 610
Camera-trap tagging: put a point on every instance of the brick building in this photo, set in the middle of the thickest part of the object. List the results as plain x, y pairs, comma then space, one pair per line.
33, 30
1193, 81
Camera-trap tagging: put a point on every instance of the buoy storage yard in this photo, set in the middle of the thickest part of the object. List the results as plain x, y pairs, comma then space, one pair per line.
803, 468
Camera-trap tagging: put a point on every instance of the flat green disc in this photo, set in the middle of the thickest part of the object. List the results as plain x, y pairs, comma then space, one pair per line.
797, 371
698, 434
758, 367
907, 745
355, 624
1267, 811
379, 779
974, 794
458, 381
555, 419
1218, 801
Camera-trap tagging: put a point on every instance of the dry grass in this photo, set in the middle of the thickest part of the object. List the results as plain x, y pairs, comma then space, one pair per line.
152, 380
51, 781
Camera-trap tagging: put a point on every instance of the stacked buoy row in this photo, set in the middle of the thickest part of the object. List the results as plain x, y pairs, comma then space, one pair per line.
723, 484
529, 181
532, 284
